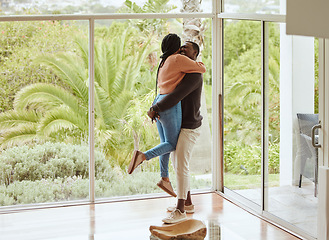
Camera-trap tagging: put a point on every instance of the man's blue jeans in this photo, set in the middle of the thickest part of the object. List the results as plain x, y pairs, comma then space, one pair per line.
169, 126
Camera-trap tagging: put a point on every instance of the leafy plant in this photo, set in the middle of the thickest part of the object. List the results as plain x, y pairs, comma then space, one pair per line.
149, 26
48, 112
243, 87
60, 172
20, 43
51, 160
240, 158
73, 188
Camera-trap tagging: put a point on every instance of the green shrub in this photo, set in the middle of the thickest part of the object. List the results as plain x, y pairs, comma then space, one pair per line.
5, 173
74, 188
54, 172
45, 190
20, 43
246, 159
274, 158
50, 160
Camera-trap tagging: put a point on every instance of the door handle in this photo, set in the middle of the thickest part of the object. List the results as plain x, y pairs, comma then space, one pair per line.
316, 145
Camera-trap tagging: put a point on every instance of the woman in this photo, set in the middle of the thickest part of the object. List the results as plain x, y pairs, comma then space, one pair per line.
171, 71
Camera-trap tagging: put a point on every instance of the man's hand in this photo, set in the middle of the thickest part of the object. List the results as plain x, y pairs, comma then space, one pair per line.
153, 115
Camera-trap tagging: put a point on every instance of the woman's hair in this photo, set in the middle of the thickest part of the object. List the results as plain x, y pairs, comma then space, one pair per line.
170, 44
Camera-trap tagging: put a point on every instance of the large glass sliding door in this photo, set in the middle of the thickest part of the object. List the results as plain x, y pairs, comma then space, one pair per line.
270, 88
242, 108
291, 114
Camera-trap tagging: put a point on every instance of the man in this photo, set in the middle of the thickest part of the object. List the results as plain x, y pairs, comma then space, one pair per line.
189, 93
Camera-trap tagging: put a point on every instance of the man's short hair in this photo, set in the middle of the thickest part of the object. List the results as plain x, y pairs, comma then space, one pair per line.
195, 47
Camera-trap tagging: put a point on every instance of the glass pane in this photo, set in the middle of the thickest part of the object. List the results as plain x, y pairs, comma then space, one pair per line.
19, 7
50, 127
253, 6
44, 153
292, 112
128, 84
272, 136
242, 108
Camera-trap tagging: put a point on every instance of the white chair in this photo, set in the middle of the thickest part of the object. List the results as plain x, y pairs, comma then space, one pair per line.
306, 151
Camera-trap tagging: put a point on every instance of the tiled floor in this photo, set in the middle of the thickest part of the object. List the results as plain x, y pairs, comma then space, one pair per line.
131, 220
295, 205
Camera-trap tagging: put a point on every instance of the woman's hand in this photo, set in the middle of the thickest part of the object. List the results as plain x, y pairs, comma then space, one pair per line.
153, 115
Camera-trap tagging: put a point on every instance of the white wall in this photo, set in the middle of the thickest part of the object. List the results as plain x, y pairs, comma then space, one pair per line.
296, 96
310, 18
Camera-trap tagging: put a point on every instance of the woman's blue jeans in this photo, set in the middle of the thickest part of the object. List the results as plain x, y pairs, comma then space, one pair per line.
169, 125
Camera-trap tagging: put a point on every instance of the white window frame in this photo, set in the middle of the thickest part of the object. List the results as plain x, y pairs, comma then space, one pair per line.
217, 16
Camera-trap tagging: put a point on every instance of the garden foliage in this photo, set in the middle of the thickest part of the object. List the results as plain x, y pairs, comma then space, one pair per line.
60, 172
21, 43
246, 159
44, 109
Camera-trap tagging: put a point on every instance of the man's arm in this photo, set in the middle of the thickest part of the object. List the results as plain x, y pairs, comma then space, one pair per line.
189, 83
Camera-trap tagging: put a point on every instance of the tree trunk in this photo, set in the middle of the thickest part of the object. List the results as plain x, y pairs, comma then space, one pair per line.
193, 30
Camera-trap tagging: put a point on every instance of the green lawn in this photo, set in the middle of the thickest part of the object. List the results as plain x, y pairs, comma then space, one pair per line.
235, 181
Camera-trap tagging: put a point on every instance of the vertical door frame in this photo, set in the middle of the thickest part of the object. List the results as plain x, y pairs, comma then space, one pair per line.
91, 112
323, 160
217, 108
265, 113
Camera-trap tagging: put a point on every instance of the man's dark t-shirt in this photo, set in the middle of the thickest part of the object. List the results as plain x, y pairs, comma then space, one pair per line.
188, 91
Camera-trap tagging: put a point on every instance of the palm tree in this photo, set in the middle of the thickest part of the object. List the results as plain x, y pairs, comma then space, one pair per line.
193, 28
49, 112
149, 26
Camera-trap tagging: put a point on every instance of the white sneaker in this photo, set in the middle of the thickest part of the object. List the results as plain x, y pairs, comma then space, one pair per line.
188, 209
175, 217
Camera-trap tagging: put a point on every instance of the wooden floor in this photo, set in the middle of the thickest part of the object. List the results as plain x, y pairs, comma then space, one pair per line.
131, 220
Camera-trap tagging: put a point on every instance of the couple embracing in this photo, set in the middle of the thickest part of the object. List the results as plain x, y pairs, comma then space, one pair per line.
176, 110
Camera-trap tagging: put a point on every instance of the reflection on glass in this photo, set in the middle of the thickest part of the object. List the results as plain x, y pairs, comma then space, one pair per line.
242, 108
252, 6
92, 222
44, 113
214, 230
290, 192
